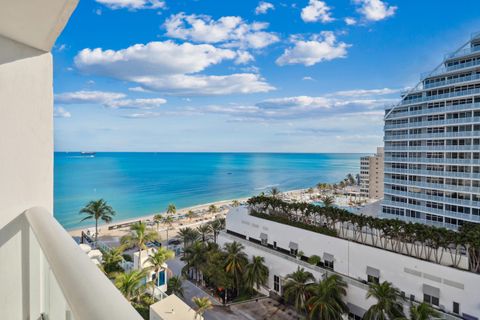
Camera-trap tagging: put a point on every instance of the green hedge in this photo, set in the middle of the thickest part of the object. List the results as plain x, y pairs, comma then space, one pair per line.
297, 224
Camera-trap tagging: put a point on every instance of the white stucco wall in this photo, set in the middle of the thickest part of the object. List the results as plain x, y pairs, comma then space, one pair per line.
351, 259
26, 158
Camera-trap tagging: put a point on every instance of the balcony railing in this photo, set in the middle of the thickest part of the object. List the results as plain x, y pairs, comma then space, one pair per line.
425, 209
433, 186
458, 107
433, 160
449, 134
427, 197
419, 124
68, 283
442, 96
436, 84
432, 173
445, 69
433, 148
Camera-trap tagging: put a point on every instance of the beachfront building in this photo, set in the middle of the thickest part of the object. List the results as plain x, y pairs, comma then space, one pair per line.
432, 145
285, 247
371, 175
43, 273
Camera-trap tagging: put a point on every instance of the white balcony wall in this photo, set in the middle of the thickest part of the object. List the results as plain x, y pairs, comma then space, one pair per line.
26, 157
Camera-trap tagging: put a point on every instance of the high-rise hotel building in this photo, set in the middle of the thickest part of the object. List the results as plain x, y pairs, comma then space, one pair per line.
432, 145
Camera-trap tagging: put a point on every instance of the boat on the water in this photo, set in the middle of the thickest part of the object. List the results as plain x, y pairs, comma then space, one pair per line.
87, 153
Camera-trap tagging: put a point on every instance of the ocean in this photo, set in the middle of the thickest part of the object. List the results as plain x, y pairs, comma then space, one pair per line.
139, 184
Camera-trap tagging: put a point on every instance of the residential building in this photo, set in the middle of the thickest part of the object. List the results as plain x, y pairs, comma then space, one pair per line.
371, 175
172, 308
432, 145
452, 291
43, 273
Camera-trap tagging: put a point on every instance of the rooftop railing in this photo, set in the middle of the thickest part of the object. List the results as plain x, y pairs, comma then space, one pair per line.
72, 286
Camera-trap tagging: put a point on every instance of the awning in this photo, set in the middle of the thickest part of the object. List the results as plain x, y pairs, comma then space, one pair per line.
263, 236
373, 272
356, 310
431, 291
328, 257
293, 245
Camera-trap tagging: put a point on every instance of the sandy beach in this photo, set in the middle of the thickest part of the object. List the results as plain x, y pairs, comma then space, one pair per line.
111, 233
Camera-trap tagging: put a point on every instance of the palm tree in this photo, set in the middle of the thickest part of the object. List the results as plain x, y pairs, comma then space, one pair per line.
111, 258
171, 209
204, 230
189, 236
326, 301
388, 304
235, 262
216, 226
175, 286
98, 209
297, 286
328, 201
139, 237
423, 311
158, 258
212, 209
195, 258
190, 215
130, 284
168, 220
203, 304
157, 219
256, 273
274, 192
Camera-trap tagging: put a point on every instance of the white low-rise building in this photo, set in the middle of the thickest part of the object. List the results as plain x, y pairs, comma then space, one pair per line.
452, 290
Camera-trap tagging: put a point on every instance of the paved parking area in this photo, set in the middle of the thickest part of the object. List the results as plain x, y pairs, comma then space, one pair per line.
265, 309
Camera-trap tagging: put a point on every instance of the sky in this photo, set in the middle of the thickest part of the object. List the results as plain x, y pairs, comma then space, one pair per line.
244, 76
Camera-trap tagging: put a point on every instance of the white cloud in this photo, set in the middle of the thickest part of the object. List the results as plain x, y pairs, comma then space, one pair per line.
350, 21
88, 97
375, 10
230, 31
60, 112
132, 4
308, 78
322, 47
341, 104
365, 92
263, 7
113, 100
244, 57
173, 68
316, 11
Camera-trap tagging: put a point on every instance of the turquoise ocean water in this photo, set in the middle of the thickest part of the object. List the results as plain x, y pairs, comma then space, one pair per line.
139, 184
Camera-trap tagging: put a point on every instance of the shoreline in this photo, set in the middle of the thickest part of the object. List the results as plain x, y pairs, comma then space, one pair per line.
109, 234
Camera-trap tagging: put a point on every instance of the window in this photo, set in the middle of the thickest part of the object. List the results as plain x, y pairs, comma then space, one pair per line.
431, 299
276, 283
328, 264
456, 307
352, 316
372, 279
274, 244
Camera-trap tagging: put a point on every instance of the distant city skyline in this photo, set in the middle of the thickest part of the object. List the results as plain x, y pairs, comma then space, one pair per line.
250, 76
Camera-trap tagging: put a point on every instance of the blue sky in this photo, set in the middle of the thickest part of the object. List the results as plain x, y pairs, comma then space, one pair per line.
261, 76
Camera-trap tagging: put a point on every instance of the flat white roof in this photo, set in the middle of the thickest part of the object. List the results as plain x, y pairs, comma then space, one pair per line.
172, 308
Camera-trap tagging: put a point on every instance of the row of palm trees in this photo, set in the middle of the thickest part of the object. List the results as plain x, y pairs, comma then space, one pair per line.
324, 299
418, 240
226, 268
